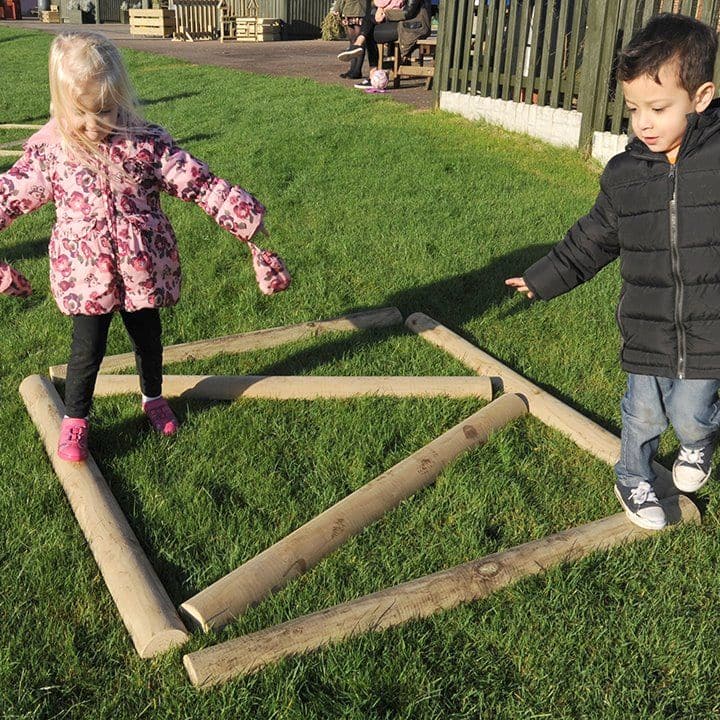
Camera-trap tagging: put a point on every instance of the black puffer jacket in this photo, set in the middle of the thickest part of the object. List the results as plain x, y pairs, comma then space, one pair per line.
663, 222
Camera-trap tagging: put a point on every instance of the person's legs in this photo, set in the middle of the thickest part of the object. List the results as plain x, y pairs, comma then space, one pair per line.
89, 341
694, 412
87, 350
356, 62
145, 331
643, 421
355, 48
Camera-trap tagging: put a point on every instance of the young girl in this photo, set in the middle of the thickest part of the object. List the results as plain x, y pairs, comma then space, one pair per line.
112, 248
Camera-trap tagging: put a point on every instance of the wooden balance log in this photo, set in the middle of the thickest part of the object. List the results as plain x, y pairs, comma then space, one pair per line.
141, 600
418, 598
585, 433
301, 387
255, 340
288, 558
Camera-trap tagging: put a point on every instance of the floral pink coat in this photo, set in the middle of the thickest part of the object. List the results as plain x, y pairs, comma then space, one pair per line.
112, 247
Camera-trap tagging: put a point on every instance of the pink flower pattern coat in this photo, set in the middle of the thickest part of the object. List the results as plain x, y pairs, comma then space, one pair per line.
112, 247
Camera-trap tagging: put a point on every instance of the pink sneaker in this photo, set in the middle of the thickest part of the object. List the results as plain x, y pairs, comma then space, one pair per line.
73, 440
162, 418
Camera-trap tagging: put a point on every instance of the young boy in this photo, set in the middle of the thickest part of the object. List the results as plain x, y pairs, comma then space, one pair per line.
659, 211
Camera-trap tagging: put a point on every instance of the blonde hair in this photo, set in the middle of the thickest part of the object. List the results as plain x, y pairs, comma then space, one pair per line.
79, 59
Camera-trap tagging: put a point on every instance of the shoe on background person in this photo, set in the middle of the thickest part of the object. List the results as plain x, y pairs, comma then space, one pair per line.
350, 52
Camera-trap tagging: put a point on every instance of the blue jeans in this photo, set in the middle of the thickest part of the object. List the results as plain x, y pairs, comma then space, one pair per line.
650, 403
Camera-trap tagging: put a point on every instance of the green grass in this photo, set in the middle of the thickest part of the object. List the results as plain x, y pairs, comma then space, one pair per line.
371, 204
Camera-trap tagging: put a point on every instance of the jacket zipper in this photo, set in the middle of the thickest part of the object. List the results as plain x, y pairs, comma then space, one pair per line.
675, 259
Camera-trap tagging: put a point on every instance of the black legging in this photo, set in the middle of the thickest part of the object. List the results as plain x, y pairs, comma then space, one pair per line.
375, 33
89, 342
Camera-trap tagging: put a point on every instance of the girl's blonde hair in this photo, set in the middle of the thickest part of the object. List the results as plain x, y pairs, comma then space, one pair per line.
79, 59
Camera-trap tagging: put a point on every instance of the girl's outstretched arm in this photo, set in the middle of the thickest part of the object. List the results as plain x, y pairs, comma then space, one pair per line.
190, 179
23, 188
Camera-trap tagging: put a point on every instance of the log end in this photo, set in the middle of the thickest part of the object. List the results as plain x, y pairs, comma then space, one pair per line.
162, 642
193, 617
196, 678
418, 322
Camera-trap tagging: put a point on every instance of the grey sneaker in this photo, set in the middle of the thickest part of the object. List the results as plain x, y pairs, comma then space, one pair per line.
641, 505
692, 468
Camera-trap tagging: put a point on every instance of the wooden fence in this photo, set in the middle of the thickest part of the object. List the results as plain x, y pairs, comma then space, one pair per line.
196, 19
558, 53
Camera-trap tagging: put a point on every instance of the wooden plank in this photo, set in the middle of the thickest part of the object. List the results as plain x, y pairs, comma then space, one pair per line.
628, 29
468, 44
575, 36
444, 52
521, 50
460, 44
530, 79
141, 600
510, 49
559, 53
256, 340
288, 558
648, 10
545, 54
301, 387
585, 433
478, 54
487, 46
498, 51
591, 82
418, 598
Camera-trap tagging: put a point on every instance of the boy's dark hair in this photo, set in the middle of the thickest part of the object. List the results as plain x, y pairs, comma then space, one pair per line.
671, 38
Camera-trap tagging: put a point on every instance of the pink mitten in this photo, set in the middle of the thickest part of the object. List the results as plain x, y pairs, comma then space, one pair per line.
270, 271
12, 282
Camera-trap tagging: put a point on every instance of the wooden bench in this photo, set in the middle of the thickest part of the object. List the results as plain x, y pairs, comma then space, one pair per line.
413, 66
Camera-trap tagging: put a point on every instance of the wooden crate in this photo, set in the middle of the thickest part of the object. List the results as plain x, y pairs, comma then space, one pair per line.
152, 22
259, 29
50, 16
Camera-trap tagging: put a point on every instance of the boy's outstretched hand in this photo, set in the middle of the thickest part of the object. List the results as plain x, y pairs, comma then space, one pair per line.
519, 284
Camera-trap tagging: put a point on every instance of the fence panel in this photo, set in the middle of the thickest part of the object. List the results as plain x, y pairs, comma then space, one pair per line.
559, 53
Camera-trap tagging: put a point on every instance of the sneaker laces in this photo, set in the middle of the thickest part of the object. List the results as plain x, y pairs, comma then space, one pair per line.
643, 493
160, 413
692, 457
76, 434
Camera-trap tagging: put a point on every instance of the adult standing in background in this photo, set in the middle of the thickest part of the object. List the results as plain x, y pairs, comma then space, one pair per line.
353, 15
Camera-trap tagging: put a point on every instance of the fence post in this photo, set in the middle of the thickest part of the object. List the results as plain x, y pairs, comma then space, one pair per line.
596, 66
442, 51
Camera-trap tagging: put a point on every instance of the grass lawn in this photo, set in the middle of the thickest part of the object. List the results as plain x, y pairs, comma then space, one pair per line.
371, 204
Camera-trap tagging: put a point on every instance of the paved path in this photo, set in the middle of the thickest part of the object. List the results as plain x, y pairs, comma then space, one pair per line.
294, 58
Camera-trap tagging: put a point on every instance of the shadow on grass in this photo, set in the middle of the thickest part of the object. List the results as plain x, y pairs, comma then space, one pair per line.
29, 249
453, 302
168, 98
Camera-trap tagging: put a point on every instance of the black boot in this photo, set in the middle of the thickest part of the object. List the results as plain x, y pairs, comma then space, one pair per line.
356, 64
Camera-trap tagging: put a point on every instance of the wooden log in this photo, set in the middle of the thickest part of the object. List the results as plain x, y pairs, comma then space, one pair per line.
256, 340
418, 598
587, 434
141, 600
293, 555
19, 126
303, 387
